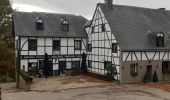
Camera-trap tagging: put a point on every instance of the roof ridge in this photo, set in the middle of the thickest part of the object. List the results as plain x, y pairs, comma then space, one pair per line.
135, 7
46, 13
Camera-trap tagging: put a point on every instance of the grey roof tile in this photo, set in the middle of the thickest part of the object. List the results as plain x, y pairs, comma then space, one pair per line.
132, 26
24, 23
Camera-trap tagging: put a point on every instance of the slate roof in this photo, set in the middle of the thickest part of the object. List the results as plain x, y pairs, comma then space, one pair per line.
88, 23
132, 26
25, 24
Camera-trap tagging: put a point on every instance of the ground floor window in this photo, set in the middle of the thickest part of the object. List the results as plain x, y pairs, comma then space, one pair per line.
134, 69
41, 64
165, 67
32, 66
76, 65
89, 63
107, 64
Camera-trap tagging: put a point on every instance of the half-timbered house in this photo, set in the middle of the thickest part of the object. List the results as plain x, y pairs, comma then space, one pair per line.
61, 36
133, 40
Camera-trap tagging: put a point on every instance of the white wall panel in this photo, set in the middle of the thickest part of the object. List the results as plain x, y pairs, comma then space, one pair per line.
33, 60
24, 52
150, 55
70, 42
24, 43
40, 41
49, 50
48, 42
63, 50
32, 52
70, 50
40, 51
63, 42
77, 51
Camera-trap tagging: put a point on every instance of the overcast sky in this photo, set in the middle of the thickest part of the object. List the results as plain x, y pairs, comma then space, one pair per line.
80, 7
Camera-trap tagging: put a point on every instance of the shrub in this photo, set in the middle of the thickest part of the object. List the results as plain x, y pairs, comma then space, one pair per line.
155, 77
111, 72
24, 75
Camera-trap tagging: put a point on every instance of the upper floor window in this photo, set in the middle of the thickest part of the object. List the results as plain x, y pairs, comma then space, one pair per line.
160, 39
65, 25
56, 44
114, 47
39, 24
92, 29
77, 44
32, 44
103, 28
89, 47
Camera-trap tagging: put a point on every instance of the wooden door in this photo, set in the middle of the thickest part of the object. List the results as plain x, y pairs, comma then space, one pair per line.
149, 72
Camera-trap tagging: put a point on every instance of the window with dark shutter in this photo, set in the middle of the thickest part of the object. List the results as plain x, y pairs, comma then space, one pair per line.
103, 28
89, 63
107, 64
160, 39
89, 47
56, 44
39, 24
92, 29
114, 48
77, 45
32, 44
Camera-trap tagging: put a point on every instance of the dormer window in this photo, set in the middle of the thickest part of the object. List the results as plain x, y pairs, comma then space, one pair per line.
65, 25
160, 39
39, 24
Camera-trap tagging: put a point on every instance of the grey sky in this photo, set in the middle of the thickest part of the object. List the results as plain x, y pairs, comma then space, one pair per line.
81, 7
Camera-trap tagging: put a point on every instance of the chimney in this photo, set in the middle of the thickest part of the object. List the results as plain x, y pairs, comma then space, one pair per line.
109, 4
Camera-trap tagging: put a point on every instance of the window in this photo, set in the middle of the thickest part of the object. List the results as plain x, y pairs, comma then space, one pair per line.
65, 26
114, 47
32, 44
41, 64
77, 44
107, 64
160, 39
56, 44
39, 24
92, 29
23, 67
134, 69
76, 65
32, 65
89, 47
103, 28
89, 63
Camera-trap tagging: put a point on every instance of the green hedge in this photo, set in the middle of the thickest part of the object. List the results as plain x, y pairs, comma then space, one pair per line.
24, 75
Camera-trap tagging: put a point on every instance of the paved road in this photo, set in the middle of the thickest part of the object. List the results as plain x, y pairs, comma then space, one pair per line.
111, 92
7, 86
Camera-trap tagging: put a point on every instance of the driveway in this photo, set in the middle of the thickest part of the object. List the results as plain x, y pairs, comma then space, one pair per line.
7, 86
69, 82
113, 92
85, 88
